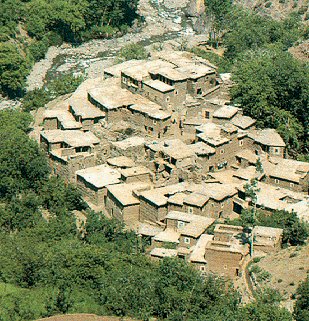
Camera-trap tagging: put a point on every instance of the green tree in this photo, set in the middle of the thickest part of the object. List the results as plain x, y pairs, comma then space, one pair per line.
218, 12
132, 51
22, 164
273, 87
301, 309
13, 70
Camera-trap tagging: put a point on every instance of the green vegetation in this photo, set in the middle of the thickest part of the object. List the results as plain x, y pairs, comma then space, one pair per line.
295, 232
49, 23
48, 267
132, 51
301, 311
62, 85
270, 84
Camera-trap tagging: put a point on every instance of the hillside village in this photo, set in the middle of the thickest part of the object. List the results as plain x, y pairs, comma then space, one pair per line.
157, 144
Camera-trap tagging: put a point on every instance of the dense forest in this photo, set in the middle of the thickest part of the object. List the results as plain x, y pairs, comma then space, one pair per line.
28, 28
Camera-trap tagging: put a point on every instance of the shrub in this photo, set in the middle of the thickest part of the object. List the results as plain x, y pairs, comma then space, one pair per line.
132, 51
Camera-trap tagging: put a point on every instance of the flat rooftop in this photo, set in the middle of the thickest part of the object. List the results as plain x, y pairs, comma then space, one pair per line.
73, 138
130, 142
162, 252
124, 192
268, 137
115, 70
100, 176
121, 161
134, 171
159, 85
106, 96
243, 122
226, 112
141, 71
151, 110
83, 108
64, 117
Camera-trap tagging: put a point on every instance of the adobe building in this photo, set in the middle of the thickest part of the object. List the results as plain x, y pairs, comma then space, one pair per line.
267, 140
267, 239
60, 119
122, 202
222, 258
93, 182
287, 173
190, 226
136, 174
85, 113
70, 150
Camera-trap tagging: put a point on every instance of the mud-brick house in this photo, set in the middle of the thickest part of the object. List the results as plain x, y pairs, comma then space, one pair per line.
71, 141
267, 140
85, 113
171, 151
132, 147
150, 118
224, 114
204, 154
267, 239
225, 233
287, 173
200, 78
213, 200
111, 99
70, 150
136, 174
190, 226
243, 122
223, 258
270, 198
122, 202
224, 139
154, 202
93, 182
59, 119
133, 76
120, 162
172, 81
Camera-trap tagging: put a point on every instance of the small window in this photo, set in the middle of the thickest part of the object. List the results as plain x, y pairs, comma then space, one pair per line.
186, 240
180, 224
207, 114
241, 142
190, 210
277, 151
221, 151
154, 121
277, 181
291, 184
222, 204
202, 268
167, 99
225, 267
176, 92
124, 80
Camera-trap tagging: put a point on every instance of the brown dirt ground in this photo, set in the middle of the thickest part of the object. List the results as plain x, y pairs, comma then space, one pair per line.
288, 266
83, 317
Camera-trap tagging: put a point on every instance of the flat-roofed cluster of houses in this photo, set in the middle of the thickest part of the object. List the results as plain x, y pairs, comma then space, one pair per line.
157, 145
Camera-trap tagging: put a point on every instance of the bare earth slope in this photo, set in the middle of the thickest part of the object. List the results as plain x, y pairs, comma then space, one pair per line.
83, 317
